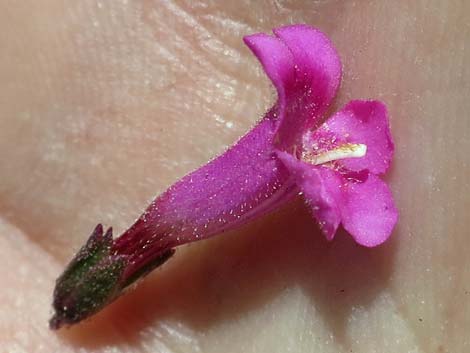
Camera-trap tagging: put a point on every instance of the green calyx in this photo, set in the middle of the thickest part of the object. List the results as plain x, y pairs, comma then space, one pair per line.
91, 281
97, 275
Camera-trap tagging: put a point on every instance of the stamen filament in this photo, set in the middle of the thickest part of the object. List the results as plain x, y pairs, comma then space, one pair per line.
348, 150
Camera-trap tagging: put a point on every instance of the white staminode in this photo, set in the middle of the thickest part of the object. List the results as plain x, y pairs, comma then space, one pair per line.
348, 150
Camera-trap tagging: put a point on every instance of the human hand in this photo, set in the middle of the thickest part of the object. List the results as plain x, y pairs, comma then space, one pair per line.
106, 104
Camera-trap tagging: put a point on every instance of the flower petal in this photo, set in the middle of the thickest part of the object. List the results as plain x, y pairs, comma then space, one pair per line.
368, 212
317, 77
363, 122
365, 209
305, 69
321, 190
276, 59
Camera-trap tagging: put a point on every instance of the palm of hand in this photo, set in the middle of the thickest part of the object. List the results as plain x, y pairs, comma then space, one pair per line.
106, 104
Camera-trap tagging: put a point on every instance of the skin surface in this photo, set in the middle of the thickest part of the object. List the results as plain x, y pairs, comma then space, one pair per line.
104, 104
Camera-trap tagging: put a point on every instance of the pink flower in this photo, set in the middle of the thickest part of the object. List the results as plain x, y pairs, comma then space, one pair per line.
335, 165
337, 173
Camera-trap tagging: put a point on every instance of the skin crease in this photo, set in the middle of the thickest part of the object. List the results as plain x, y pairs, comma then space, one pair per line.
104, 104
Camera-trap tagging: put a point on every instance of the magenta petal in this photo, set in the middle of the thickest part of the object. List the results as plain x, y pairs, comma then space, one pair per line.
363, 122
317, 77
276, 59
321, 190
365, 209
317, 62
368, 211
305, 69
